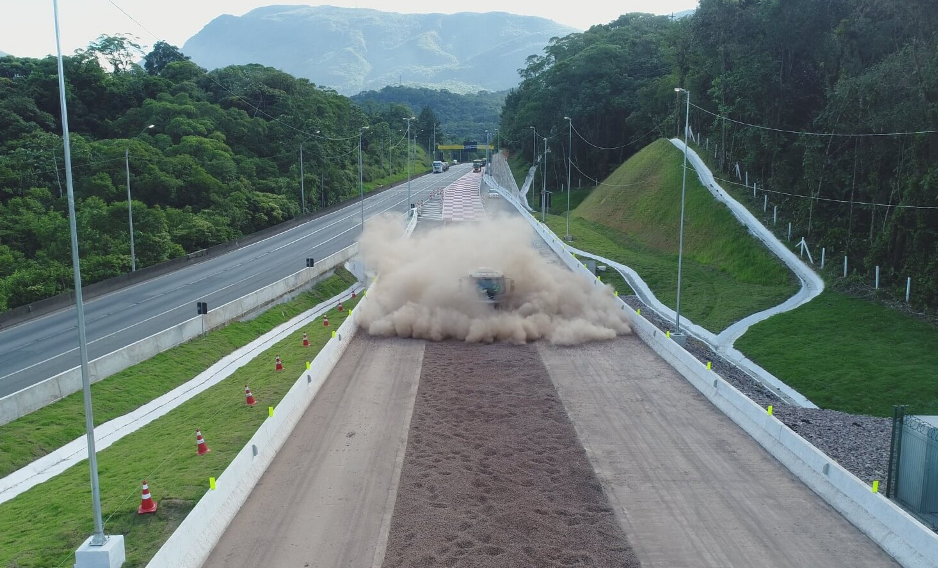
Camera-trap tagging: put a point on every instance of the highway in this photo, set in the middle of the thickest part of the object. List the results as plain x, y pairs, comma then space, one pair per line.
48, 345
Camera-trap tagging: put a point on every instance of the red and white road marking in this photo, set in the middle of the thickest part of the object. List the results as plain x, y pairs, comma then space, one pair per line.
461, 200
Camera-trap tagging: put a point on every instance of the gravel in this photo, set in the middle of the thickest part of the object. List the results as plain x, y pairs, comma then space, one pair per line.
857, 442
494, 474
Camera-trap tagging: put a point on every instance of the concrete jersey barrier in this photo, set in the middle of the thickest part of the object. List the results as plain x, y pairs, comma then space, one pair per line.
907, 540
192, 541
46, 392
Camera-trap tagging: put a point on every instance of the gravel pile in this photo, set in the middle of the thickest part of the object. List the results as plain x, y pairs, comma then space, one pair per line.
859, 443
494, 474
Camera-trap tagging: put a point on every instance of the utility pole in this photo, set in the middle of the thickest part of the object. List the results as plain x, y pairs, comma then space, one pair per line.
680, 250
544, 184
100, 548
408, 163
569, 168
130, 208
302, 182
361, 182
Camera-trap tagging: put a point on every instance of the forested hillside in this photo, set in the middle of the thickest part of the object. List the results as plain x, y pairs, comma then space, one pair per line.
220, 161
824, 103
461, 116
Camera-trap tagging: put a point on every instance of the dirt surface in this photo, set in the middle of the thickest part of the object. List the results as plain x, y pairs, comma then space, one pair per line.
690, 488
494, 474
326, 499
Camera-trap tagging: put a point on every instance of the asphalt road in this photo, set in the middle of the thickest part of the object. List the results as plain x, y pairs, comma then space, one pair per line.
42, 348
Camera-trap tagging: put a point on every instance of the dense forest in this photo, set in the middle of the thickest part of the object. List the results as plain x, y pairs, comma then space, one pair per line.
823, 103
461, 116
221, 159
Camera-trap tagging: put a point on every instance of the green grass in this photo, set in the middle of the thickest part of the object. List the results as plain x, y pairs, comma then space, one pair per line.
51, 427
519, 168
418, 167
611, 278
850, 355
634, 220
43, 526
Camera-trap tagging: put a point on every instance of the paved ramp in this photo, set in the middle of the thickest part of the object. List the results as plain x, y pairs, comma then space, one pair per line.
461, 200
326, 499
690, 488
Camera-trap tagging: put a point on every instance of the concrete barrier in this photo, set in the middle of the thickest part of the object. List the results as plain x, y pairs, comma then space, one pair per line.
54, 388
907, 540
193, 540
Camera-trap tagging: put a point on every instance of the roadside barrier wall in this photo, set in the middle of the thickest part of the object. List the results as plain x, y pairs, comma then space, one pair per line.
192, 541
59, 386
907, 540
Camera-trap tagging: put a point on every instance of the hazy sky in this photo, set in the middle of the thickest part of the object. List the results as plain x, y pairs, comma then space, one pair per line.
27, 29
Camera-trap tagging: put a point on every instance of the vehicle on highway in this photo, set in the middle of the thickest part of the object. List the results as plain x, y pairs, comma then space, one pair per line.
437, 167
491, 285
455, 161
494, 194
477, 165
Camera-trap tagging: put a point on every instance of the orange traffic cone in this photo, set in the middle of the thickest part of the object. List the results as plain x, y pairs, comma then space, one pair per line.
279, 365
340, 305
325, 321
201, 446
147, 504
249, 396
305, 340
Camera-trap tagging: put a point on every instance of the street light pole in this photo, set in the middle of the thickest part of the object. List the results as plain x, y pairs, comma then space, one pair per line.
408, 162
97, 539
361, 180
544, 184
130, 208
680, 247
569, 167
302, 177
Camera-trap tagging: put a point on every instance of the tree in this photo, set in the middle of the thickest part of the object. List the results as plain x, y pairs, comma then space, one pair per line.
162, 55
120, 50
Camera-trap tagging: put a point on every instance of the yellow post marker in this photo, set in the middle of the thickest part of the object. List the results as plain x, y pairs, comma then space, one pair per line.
638, 311
667, 334
211, 483
875, 486
600, 278
307, 363
333, 334
769, 410
617, 293
270, 411
709, 365
352, 311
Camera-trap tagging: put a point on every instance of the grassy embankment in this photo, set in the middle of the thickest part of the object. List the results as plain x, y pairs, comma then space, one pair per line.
419, 166
633, 218
52, 426
43, 526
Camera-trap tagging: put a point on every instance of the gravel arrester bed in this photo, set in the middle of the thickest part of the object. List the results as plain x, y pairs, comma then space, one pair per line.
494, 474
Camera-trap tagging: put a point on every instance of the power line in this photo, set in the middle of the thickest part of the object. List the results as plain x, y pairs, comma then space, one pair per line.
821, 134
828, 199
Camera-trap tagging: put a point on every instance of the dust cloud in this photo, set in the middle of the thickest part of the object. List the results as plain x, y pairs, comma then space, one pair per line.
420, 291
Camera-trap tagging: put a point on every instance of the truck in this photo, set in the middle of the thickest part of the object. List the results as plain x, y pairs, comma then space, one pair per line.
491, 285
437, 167
477, 165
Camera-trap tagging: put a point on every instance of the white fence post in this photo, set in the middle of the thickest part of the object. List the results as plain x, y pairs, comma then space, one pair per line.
775, 214
908, 288
789, 231
747, 178
765, 204
823, 250
877, 277
754, 190
845, 267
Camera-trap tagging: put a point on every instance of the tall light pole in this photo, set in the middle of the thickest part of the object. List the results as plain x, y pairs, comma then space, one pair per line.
361, 179
98, 539
680, 247
130, 208
569, 167
486, 150
408, 161
302, 180
544, 184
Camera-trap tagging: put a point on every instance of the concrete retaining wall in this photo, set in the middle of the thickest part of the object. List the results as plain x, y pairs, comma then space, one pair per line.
911, 543
50, 390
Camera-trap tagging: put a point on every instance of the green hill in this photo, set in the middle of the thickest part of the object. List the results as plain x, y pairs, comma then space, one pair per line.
633, 217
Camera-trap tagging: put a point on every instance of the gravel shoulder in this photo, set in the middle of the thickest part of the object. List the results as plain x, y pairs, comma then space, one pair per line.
494, 474
688, 486
326, 499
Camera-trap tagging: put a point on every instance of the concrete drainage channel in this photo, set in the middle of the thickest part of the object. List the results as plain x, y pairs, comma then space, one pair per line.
899, 534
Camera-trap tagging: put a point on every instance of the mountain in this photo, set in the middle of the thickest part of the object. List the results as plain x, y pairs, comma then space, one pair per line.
3, 54
352, 50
